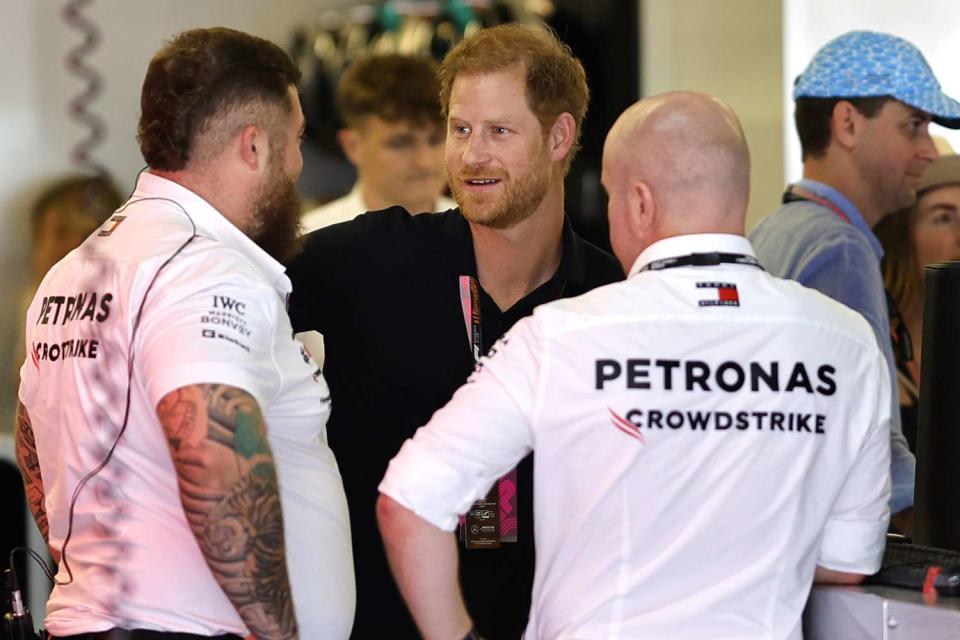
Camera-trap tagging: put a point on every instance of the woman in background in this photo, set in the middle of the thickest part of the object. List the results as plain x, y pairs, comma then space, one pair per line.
927, 232
62, 216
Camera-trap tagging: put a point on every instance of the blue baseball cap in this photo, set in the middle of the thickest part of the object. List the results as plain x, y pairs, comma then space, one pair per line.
867, 64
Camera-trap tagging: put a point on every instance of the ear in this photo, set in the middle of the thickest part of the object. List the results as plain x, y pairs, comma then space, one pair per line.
254, 147
643, 214
562, 133
845, 124
350, 140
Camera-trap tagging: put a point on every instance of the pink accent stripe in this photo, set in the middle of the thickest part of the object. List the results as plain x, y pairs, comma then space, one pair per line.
626, 426
627, 431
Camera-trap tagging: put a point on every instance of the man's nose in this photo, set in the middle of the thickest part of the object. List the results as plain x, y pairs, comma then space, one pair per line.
476, 151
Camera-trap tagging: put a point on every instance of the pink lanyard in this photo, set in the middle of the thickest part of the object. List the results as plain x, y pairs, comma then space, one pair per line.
800, 193
503, 499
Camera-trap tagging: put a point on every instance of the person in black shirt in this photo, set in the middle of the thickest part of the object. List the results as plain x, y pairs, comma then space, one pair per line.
392, 295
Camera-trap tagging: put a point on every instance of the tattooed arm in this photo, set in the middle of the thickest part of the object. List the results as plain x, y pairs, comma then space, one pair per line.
29, 464
228, 486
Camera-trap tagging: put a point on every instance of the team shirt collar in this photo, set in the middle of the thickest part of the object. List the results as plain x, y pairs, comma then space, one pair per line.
677, 246
212, 224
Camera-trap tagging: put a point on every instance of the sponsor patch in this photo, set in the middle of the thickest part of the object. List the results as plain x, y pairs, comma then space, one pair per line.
226, 320
726, 294
111, 225
625, 426
54, 351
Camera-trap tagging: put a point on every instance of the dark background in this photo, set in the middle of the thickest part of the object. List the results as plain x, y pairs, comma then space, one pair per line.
603, 34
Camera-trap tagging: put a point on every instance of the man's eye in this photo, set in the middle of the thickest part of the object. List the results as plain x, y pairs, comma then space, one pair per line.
500, 130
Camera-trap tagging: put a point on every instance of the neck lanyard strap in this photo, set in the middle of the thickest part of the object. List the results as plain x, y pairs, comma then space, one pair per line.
709, 259
470, 305
795, 193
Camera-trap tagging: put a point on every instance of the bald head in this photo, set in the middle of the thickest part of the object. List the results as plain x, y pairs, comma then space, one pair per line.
689, 151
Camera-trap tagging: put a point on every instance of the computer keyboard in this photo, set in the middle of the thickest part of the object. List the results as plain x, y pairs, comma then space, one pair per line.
914, 566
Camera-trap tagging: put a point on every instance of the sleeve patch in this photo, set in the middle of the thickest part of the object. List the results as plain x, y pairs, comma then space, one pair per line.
226, 320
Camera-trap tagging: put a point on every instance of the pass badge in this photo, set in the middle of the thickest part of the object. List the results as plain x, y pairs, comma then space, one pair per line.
482, 525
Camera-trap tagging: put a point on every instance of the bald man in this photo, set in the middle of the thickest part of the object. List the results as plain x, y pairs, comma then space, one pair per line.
709, 438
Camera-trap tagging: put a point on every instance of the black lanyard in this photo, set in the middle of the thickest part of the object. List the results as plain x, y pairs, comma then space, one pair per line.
709, 259
470, 304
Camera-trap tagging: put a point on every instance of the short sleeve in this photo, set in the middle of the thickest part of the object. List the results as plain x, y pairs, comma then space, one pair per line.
483, 432
855, 533
203, 326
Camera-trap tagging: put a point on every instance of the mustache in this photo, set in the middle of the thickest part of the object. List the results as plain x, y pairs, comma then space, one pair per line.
473, 174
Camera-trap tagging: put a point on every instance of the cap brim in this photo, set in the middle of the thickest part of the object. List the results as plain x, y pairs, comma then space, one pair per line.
949, 123
943, 110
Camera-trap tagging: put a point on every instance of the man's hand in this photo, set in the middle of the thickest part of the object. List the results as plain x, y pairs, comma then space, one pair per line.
424, 563
228, 486
829, 576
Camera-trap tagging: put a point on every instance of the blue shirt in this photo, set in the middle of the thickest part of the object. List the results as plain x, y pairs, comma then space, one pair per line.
810, 243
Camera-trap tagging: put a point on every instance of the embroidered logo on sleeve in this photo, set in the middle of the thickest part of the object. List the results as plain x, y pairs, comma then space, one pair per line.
726, 294
226, 321
111, 225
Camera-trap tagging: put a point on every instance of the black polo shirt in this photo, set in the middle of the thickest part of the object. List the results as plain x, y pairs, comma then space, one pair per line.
384, 290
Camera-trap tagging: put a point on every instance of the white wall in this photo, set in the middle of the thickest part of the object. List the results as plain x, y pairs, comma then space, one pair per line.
35, 89
748, 53
731, 49
932, 25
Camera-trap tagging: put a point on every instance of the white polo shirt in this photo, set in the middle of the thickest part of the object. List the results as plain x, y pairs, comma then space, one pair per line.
214, 314
349, 207
704, 436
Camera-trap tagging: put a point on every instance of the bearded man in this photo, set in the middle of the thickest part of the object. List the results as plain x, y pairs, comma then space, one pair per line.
166, 411
406, 304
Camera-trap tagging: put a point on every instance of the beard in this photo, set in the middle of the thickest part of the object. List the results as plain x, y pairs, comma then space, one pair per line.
520, 197
276, 216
